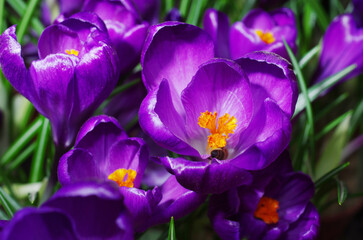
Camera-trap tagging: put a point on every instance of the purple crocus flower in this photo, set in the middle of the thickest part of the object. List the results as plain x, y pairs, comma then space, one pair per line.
76, 71
341, 47
86, 210
126, 29
104, 152
275, 206
258, 31
251, 99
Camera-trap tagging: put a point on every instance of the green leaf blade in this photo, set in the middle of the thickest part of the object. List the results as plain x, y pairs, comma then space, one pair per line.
171, 235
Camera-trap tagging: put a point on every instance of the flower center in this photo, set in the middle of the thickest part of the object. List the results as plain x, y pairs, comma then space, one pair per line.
119, 176
72, 52
267, 210
266, 37
220, 133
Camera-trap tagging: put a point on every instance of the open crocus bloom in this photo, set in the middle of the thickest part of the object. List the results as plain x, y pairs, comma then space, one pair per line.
103, 152
87, 210
76, 71
258, 31
276, 206
227, 116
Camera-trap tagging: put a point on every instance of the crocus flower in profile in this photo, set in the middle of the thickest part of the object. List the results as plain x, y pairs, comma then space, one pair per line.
76, 71
341, 47
126, 29
86, 210
228, 117
276, 206
104, 152
258, 31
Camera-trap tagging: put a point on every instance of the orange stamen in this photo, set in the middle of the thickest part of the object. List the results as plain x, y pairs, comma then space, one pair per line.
266, 37
72, 52
267, 210
119, 177
220, 134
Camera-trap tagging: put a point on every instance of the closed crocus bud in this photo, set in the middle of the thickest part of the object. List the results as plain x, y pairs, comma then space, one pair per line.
126, 29
275, 206
77, 69
341, 47
86, 210
227, 116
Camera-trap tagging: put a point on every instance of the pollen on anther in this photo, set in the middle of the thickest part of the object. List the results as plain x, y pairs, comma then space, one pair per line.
72, 52
220, 133
119, 176
266, 37
267, 210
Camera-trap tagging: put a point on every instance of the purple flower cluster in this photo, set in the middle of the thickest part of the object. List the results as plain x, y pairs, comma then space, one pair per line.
220, 98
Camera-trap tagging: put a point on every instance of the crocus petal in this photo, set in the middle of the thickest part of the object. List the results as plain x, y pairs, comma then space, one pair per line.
222, 206
56, 96
110, 125
131, 153
306, 227
216, 24
296, 190
77, 165
97, 135
129, 48
274, 76
44, 223
174, 51
89, 17
96, 75
95, 209
155, 174
341, 47
154, 126
283, 16
176, 202
238, 34
203, 177
12, 63
259, 19
140, 204
269, 134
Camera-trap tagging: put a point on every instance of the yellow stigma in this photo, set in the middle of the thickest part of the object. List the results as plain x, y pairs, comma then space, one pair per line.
266, 37
72, 52
119, 177
220, 134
